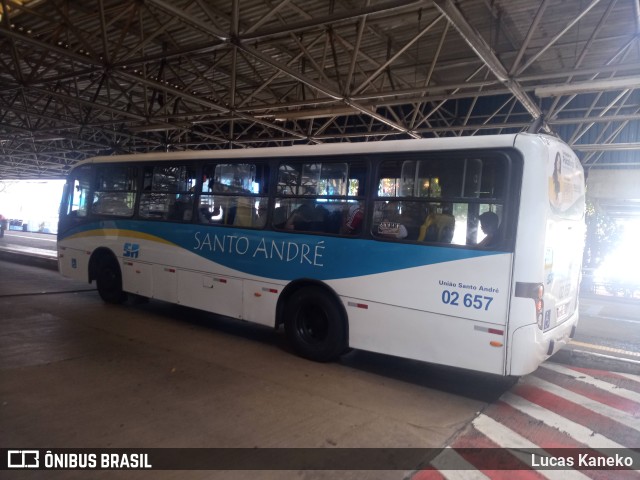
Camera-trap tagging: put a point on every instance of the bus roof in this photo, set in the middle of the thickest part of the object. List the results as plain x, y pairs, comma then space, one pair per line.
448, 143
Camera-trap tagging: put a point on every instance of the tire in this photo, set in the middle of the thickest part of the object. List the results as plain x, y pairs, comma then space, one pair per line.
315, 325
109, 281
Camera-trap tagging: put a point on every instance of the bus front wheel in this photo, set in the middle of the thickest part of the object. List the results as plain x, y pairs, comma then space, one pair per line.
109, 281
315, 325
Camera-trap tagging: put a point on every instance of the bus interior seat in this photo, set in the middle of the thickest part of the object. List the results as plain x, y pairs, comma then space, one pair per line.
413, 232
319, 220
334, 221
279, 217
242, 215
438, 227
181, 211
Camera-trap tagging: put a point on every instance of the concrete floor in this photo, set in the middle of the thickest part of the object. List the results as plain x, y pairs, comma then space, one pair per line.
77, 373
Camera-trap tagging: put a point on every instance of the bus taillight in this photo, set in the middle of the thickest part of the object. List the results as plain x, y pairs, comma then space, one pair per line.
539, 294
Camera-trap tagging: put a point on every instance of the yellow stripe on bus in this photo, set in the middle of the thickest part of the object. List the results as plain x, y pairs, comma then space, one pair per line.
116, 232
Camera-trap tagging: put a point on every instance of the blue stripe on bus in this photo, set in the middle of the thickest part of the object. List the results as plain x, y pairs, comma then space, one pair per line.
287, 256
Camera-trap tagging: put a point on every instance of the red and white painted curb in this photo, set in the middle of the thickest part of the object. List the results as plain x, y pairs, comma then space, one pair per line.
556, 407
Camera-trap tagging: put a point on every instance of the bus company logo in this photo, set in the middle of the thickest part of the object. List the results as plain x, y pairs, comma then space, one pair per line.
23, 459
131, 250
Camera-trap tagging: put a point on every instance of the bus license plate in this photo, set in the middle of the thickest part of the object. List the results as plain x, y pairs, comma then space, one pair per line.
561, 311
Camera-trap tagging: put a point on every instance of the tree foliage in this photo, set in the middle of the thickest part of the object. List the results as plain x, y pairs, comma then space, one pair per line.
603, 235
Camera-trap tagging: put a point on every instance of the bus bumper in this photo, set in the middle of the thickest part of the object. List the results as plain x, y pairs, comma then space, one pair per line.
531, 346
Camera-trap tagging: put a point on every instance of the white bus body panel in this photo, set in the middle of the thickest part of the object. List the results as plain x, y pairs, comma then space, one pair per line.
74, 263
137, 277
548, 251
411, 319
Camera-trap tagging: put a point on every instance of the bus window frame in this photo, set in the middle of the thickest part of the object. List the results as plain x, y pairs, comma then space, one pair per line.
267, 168
197, 169
510, 201
371, 162
95, 169
363, 200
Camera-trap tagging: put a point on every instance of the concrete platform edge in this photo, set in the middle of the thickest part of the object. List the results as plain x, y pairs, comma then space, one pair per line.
586, 359
41, 261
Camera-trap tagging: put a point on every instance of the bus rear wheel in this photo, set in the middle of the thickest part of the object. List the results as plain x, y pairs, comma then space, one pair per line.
109, 281
315, 325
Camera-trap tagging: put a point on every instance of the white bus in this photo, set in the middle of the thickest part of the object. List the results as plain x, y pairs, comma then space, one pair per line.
373, 246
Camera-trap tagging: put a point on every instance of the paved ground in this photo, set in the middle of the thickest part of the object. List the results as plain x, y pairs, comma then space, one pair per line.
78, 373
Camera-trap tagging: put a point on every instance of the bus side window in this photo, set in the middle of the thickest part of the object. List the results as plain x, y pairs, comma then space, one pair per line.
115, 190
437, 197
234, 194
321, 196
168, 192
